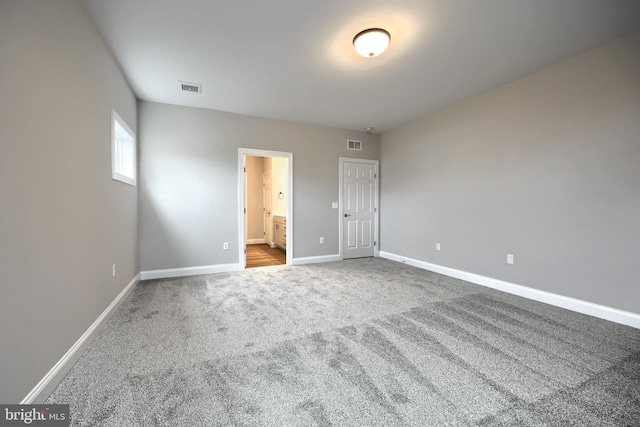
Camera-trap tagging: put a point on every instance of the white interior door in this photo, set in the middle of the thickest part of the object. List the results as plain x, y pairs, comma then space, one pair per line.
359, 209
266, 201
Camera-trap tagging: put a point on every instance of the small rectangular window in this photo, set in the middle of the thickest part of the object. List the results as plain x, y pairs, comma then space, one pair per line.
123, 150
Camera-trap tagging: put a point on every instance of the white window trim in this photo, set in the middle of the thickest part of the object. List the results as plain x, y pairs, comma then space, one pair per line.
114, 174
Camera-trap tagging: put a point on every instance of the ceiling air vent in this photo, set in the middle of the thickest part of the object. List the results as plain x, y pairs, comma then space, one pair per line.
354, 145
191, 87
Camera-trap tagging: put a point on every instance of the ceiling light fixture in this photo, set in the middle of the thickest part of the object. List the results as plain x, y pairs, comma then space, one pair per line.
372, 42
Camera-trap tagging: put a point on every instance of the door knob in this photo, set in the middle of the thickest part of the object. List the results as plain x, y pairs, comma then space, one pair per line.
346, 215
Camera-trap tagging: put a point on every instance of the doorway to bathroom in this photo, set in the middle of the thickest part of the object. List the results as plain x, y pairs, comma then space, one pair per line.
266, 229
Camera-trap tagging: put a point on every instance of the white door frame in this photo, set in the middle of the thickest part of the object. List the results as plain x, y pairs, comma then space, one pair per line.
376, 163
242, 152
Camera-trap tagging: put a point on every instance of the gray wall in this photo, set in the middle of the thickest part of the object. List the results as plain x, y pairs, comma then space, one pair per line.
63, 220
189, 180
546, 168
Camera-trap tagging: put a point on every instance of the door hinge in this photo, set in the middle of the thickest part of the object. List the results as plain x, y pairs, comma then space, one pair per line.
375, 243
375, 176
244, 169
375, 209
245, 210
245, 251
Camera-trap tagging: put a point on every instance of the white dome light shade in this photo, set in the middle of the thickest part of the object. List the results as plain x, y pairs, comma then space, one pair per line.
371, 42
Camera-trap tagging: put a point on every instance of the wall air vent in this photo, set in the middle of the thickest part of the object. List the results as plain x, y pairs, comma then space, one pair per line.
191, 87
354, 145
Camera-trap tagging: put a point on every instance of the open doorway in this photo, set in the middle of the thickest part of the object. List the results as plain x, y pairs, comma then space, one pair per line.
266, 205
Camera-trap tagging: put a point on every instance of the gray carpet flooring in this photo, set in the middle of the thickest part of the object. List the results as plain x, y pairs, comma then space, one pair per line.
353, 343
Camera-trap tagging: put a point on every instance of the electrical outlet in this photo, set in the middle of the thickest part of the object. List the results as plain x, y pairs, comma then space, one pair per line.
437, 246
509, 258
225, 246
322, 240
114, 270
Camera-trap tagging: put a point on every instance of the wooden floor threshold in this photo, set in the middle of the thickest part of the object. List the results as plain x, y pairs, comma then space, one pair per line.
265, 255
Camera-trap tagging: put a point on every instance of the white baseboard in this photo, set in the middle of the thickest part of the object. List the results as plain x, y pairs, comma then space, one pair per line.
255, 241
573, 304
189, 271
50, 381
316, 259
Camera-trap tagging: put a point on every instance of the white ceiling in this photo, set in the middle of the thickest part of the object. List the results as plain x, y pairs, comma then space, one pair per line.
294, 59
